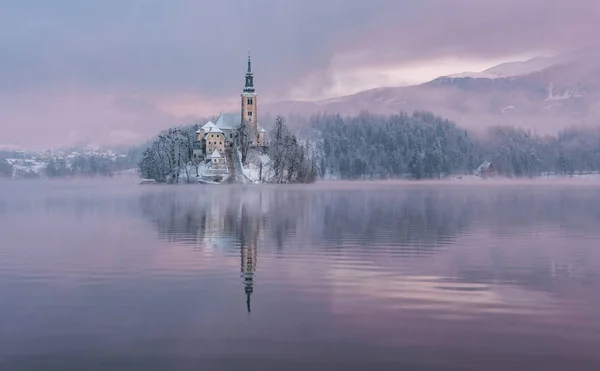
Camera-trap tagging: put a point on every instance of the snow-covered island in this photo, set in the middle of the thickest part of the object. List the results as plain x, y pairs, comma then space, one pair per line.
204, 155
234, 148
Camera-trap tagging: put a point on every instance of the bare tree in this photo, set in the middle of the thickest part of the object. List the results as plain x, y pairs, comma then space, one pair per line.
246, 138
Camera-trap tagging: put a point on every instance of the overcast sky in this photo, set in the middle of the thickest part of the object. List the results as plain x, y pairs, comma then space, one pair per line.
116, 71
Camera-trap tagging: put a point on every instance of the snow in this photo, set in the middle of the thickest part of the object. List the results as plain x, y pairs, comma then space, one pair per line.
206, 127
473, 75
229, 121
564, 95
215, 130
26, 167
216, 154
252, 169
192, 173
252, 172
592, 175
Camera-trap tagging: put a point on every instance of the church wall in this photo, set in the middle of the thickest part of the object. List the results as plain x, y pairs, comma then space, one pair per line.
215, 141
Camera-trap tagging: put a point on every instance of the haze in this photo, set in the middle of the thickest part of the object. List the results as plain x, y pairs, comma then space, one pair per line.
117, 71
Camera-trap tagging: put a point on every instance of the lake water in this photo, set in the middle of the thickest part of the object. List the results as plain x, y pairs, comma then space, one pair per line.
110, 275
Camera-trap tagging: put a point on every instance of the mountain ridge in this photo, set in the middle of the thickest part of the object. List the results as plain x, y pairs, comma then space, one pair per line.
552, 93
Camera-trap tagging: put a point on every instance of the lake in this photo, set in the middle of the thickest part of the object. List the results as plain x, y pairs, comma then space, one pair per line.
111, 275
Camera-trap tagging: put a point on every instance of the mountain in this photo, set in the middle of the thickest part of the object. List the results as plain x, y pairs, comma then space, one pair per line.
544, 94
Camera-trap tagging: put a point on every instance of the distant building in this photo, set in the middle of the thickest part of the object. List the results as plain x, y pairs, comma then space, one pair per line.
486, 170
224, 134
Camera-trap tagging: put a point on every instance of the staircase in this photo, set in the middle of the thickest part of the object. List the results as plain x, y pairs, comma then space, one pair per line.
234, 165
230, 165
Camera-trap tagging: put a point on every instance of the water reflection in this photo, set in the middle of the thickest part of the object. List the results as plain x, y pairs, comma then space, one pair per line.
386, 226
406, 273
419, 220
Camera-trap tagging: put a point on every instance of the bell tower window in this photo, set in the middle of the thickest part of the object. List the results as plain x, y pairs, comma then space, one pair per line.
250, 101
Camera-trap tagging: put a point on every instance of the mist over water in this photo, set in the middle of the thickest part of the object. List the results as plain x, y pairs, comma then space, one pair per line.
332, 276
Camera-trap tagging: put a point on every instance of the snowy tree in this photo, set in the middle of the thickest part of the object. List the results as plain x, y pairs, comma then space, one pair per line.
171, 152
290, 161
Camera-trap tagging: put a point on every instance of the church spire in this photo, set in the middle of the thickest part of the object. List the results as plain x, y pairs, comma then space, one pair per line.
249, 88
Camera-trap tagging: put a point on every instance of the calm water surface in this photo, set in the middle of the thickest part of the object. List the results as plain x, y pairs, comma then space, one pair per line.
110, 275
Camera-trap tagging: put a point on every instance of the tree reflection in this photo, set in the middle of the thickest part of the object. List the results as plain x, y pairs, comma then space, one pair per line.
410, 222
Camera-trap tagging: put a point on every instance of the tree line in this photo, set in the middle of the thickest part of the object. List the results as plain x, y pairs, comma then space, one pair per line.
369, 146
374, 146
423, 145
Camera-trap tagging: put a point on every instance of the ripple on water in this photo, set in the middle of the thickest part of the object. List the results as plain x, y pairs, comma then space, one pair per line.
278, 272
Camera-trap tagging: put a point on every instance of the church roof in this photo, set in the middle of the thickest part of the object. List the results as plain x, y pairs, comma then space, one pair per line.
206, 127
214, 129
216, 154
209, 125
233, 121
229, 121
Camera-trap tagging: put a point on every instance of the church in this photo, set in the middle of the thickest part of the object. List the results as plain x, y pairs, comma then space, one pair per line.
215, 138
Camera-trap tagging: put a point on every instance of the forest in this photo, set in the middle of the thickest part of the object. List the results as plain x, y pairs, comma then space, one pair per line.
423, 145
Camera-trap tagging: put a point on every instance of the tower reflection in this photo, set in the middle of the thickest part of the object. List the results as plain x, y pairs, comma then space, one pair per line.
249, 234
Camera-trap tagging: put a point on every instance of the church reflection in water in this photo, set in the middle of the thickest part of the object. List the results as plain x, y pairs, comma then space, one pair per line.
250, 230
233, 224
249, 252
234, 221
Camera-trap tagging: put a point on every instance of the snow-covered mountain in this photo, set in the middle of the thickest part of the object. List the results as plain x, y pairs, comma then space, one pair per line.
544, 94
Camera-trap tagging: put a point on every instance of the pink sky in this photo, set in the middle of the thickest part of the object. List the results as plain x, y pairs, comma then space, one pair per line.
117, 71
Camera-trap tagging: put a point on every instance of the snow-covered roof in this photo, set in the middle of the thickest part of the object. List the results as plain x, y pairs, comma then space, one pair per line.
206, 127
215, 129
484, 167
216, 154
229, 121
232, 121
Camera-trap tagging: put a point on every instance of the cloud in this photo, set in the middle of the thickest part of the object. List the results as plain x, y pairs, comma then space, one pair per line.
159, 50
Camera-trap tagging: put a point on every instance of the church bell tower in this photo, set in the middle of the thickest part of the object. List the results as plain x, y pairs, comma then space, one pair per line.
249, 103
